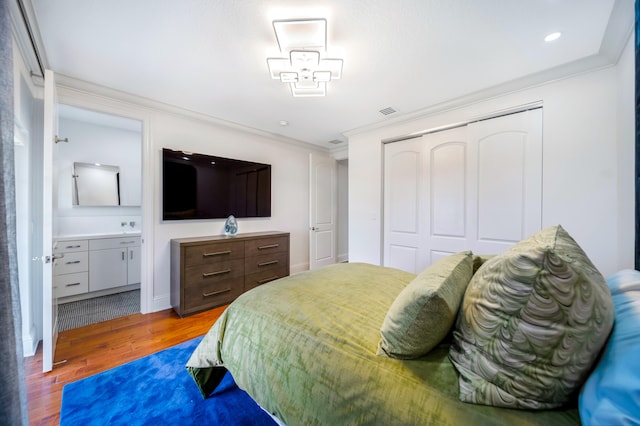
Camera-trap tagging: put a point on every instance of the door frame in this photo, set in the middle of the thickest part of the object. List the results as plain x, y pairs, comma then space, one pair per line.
112, 106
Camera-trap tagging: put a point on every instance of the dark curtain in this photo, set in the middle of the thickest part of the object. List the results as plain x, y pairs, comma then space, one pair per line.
13, 395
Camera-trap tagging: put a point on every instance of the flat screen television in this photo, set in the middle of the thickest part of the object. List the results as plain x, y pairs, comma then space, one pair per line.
198, 186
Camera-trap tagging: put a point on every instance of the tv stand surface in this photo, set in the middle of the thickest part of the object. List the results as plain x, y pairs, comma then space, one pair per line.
207, 272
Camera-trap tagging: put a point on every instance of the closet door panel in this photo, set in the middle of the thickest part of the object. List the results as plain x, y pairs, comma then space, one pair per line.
501, 165
508, 190
447, 193
402, 257
404, 215
447, 189
477, 187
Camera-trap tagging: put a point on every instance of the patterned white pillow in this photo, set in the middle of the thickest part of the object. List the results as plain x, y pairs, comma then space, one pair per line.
533, 321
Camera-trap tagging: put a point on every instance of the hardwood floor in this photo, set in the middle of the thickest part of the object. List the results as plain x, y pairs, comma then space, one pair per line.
85, 351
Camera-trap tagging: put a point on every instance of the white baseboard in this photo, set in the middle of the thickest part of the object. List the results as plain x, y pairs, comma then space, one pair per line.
343, 258
30, 343
160, 303
300, 267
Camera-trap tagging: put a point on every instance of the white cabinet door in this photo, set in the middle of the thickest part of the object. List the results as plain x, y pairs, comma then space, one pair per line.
107, 268
133, 265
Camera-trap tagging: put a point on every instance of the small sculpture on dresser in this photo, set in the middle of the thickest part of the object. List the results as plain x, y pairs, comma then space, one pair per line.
231, 226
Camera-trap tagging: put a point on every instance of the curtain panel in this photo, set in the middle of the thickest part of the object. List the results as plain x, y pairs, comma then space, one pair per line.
13, 395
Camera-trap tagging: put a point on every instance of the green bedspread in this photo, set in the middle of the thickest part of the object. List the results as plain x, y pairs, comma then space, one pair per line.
304, 347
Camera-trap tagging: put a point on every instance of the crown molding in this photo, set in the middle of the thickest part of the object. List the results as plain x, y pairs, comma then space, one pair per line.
69, 86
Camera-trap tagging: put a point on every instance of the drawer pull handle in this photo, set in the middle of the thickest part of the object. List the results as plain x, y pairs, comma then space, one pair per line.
273, 262
73, 262
214, 293
127, 242
269, 246
211, 274
217, 253
266, 280
72, 284
70, 247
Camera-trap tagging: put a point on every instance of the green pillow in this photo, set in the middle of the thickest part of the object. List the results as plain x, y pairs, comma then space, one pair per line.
425, 310
533, 321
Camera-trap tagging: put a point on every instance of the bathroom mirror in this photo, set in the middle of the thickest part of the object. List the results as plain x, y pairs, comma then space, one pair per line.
96, 185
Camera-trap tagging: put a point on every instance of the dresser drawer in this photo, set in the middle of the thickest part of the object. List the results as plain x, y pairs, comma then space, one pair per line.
195, 276
209, 294
71, 284
266, 245
113, 243
71, 263
213, 253
265, 262
70, 246
263, 277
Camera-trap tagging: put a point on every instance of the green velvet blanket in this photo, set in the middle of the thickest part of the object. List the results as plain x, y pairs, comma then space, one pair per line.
304, 347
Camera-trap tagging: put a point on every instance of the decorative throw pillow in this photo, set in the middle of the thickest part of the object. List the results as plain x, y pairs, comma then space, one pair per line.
533, 321
425, 310
610, 395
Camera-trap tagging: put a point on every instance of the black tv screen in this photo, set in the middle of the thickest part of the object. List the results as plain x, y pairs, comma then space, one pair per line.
198, 186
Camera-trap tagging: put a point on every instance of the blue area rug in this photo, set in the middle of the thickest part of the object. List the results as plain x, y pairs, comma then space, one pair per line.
156, 390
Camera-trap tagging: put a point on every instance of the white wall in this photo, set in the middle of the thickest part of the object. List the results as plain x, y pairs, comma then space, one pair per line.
587, 142
93, 143
289, 182
169, 127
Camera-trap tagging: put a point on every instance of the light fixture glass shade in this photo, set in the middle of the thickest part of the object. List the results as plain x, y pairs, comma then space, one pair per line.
323, 76
301, 34
288, 77
297, 92
301, 59
306, 81
278, 66
303, 45
333, 65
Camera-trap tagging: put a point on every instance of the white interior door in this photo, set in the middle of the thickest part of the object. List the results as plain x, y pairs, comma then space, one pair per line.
476, 187
404, 206
449, 179
49, 302
508, 185
323, 211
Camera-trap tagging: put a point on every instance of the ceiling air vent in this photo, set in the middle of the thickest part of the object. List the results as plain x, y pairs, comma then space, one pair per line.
387, 111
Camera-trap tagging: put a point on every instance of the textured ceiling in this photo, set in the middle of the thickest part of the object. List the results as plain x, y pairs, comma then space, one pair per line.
210, 56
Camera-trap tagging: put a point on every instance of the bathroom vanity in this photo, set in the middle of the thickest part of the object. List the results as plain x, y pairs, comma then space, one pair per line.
97, 265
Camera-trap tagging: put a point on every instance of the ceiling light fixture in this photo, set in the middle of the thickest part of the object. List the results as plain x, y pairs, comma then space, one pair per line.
552, 37
303, 44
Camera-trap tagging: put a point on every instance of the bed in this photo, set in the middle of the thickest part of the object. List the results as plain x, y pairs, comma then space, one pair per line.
305, 348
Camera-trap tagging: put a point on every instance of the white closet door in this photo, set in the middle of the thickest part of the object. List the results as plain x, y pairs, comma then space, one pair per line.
449, 178
404, 206
507, 162
476, 187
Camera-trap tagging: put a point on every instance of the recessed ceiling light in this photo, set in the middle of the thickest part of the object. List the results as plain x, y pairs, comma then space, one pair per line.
552, 36
284, 123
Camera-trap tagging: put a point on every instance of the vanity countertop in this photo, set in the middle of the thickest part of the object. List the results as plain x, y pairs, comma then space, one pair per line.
100, 235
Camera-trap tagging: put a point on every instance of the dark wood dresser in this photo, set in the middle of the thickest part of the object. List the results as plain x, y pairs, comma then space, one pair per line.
207, 272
